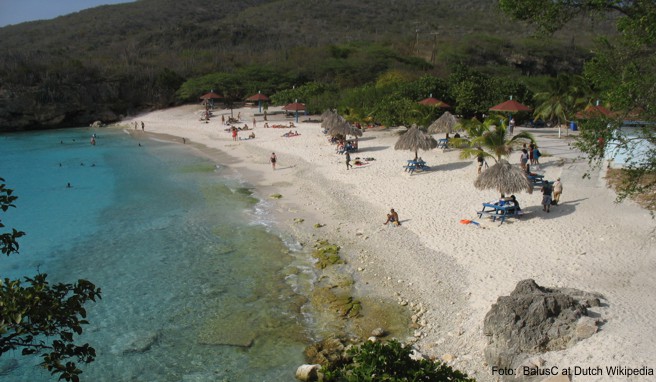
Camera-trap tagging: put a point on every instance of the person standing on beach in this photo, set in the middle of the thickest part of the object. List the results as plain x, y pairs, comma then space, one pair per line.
273, 160
557, 190
254, 121
348, 160
546, 196
143, 126
234, 134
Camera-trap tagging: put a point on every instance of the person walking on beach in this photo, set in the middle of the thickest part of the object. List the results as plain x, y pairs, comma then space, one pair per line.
546, 196
557, 190
143, 126
273, 160
481, 162
234, 133
348, 160
536, 156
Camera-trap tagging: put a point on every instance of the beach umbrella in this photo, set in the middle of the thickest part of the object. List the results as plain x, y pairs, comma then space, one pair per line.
430, 101
503, 177
208, 98
510, 106
295, 107
259, 97
210, 95
414, 140
445, 124
593, 111
337, 125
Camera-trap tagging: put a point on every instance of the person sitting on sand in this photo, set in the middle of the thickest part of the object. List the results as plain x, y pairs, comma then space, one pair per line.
252, 136
266, 125
291, 124
393, 218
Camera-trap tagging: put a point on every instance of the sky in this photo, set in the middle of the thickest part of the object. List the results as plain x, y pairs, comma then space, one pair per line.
18, 11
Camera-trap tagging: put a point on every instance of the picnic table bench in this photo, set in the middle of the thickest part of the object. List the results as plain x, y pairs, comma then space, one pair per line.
537, 179
442, 143
413, 166
500, 212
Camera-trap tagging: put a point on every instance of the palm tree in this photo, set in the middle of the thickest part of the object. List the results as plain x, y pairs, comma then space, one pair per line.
565, 95
490, 141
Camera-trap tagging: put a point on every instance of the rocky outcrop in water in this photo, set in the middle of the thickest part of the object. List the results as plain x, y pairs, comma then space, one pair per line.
535, 319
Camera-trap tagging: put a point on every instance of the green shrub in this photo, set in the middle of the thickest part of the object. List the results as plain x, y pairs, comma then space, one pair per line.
391, 362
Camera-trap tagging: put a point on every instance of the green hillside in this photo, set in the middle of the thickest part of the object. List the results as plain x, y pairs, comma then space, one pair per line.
109, 61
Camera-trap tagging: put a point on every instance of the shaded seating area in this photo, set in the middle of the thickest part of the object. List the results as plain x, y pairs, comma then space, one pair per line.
499, 211
415, 165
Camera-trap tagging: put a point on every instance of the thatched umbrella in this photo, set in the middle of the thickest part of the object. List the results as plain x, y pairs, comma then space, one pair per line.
444, 124
337, 125
503, 177
415, 139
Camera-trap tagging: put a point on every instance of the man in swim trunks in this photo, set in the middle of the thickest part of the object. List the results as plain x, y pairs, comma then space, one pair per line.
393, 217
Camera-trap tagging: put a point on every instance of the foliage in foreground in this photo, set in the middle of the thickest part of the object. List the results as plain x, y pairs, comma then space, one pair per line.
39, 318
391, 362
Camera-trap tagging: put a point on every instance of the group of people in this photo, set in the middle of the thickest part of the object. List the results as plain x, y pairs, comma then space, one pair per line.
291, 134
344, 146
548, 189
530, 155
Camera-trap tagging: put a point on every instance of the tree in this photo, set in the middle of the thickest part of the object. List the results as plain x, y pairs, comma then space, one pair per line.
489, 140
623, 69
39, 318
565, 96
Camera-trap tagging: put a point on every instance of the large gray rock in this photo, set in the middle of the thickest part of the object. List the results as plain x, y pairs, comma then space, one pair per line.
535, 319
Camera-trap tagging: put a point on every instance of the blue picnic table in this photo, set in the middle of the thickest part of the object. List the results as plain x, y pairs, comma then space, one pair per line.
442, 143
415, 165
497, 211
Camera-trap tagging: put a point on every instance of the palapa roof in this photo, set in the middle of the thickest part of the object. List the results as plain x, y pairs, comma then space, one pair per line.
211, 95
430, 101
257, 97
511, 106
444, 124
592, 111
337, 125
414, 140
503, 177
294, 106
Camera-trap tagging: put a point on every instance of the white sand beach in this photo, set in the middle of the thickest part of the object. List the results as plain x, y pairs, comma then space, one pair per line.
455, 271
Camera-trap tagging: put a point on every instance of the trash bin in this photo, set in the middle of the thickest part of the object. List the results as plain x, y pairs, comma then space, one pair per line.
572, 126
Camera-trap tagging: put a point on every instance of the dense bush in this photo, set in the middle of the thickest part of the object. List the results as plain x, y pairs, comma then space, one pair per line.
391, 362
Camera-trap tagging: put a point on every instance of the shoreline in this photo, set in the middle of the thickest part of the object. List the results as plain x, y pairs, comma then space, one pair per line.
453, 271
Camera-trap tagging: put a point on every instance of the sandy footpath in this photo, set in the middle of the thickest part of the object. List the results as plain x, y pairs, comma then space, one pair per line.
455, 271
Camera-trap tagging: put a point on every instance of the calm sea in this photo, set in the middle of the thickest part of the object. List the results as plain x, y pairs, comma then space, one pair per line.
195, 287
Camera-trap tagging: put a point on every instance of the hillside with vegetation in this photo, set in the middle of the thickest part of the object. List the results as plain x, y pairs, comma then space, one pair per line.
111, 61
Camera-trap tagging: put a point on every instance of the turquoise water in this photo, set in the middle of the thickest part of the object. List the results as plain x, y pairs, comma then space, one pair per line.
194, 285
